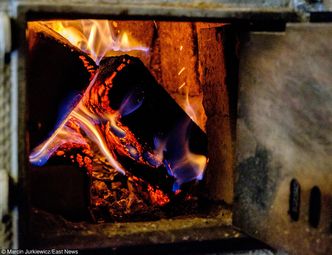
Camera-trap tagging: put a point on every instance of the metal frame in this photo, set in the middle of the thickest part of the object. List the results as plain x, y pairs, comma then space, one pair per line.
260, 12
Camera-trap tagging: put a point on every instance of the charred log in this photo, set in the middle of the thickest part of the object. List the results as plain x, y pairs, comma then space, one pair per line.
56, 71
143, 128
158, 116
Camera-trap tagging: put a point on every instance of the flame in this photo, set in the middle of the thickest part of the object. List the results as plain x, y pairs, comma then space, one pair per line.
93, 123
101, 38
74, 36
182, 164
187, 106
96, 37
80, 117
125, 40
96, 129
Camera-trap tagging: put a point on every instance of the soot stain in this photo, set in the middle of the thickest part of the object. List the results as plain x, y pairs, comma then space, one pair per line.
256, 179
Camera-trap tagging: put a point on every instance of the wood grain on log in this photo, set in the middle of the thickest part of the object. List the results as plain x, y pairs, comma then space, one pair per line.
178, 56
216, 101
177, 43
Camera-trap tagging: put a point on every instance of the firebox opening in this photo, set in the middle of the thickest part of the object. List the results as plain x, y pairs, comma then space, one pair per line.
131, 121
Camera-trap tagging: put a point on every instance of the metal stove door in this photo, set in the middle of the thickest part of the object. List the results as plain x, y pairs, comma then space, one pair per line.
283, 183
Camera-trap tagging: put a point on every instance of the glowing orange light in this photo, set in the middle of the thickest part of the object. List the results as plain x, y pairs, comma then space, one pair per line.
93, 123
181, 71
125, 40
95, 37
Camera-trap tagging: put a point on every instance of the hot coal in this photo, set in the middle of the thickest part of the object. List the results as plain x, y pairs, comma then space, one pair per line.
138, 146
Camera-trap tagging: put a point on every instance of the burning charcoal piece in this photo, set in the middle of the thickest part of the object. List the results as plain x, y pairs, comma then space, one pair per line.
137, 145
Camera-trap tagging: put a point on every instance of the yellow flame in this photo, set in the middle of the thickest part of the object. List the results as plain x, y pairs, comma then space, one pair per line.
70, 33
64, 134
125, 40
188, 107
95, 37
198, 162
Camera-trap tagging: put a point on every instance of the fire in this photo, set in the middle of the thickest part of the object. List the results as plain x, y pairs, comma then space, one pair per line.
92, 120
184, 165
187, 106
125, 40
74, 36
101, 38
94, 135
98, 38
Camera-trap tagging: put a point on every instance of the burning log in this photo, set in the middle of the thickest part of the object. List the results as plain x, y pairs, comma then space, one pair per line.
152, 116
136, 143
56, 69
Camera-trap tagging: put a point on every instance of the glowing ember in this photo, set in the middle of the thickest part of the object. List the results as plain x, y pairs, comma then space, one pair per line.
93, 121
98, 133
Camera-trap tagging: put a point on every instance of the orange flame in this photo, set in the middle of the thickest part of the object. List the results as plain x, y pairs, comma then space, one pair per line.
95, 37
93, 120
65, 133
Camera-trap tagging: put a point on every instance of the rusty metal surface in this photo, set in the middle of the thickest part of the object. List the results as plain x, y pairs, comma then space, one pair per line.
195, 235
54, 231
284, 134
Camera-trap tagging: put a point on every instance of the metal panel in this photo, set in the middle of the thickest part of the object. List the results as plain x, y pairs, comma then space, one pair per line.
179, 9
182, 3
5, 135
285, 137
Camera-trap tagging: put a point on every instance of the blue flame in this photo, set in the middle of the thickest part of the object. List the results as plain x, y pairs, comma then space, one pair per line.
36, 160
131, 103
176, 157
176, 187
66, 106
